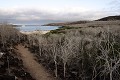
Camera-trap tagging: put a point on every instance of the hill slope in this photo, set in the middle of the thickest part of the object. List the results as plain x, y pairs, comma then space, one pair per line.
109, 18
66, 23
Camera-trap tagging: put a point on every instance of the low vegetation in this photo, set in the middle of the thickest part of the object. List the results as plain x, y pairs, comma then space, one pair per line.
10, 63
61, 30
70, 53
90, 53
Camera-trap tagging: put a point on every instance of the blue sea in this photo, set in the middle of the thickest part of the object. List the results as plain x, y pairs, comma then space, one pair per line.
33, 28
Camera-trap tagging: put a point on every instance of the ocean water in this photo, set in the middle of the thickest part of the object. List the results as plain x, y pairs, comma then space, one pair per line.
33, 28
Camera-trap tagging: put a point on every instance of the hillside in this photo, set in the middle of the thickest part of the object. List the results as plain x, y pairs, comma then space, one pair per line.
66, 23
109, 18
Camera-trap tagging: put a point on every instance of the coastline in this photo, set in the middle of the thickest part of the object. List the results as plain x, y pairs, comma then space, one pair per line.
35, 32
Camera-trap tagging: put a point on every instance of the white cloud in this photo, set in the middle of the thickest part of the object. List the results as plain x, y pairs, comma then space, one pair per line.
63, 14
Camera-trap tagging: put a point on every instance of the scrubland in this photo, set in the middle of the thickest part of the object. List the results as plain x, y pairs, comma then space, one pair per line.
84, 53
10, 64
89, 51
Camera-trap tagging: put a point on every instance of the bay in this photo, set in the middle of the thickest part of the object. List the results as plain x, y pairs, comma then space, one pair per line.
34, 28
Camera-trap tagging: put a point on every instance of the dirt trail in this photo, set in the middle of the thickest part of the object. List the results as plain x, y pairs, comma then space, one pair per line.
36, 70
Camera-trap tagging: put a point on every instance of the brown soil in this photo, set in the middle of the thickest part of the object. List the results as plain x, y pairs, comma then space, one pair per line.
36, 70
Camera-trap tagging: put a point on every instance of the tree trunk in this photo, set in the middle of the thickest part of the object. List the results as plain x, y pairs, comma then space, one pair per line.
8, 65
64, 70
55, 68
110, 75
3, 45
39, 50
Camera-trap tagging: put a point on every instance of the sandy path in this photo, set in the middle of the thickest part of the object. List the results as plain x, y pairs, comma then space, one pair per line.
36, 70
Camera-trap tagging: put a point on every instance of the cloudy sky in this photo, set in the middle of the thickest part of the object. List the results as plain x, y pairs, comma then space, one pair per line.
46, 11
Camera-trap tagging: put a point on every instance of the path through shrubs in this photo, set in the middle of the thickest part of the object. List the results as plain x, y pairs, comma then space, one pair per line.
36, 70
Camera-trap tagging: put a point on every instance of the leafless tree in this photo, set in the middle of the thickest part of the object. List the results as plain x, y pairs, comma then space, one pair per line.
8, 33
109, 53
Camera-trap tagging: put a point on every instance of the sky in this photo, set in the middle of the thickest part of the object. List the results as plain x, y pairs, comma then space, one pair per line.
47, 11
